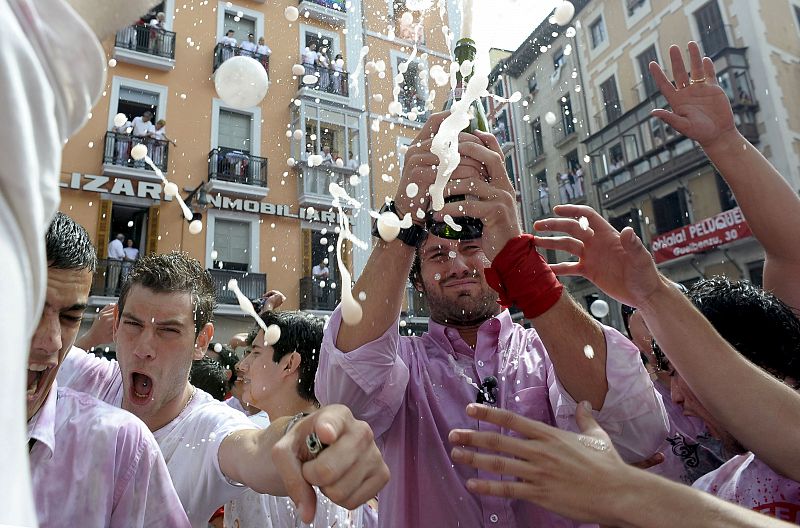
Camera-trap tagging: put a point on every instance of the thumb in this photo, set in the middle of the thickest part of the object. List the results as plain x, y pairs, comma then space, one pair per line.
586, 422
634, 247
672, 119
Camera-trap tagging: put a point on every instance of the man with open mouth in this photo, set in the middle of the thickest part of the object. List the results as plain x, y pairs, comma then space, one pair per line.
82, 449
213, 452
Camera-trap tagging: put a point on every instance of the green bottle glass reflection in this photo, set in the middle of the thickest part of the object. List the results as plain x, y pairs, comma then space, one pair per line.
470, 227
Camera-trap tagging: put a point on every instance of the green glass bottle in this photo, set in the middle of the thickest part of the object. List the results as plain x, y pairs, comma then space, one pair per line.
471, 228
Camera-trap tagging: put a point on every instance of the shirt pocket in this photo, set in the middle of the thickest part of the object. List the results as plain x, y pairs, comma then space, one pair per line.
532, 403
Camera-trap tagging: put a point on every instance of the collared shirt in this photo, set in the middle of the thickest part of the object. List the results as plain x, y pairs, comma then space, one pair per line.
190, 443
249, 47
142, 128
94, 465
309, 56
749, 482
115, 250
689, 451
414, 390
263, 50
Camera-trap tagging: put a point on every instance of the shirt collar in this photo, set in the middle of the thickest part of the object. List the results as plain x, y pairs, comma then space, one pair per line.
498, 326
42, 425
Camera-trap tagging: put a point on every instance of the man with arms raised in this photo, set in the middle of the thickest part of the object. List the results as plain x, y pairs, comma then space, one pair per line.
413, 390
92, 465
163, 321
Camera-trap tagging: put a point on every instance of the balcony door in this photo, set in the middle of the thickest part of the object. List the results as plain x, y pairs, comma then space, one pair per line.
712, 29
232, 244
608, 91
241, 25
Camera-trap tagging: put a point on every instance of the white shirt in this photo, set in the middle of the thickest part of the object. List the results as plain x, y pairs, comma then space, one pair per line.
309, 56
131, 253
264, 50
352, 164
318, 270
108, 456
248, 46
228, 41
123, 129
160, 133
115, 250
190, 443
140, 128
46, 92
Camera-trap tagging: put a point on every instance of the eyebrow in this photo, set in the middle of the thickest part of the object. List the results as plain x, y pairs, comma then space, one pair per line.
168, 322
75, 307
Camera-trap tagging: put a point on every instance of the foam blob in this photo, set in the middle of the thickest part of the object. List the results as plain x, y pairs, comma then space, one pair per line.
564, 13
120, 119
139, 151
217, 347
599, 308
339, 162
378, 98
310, 79
291, 162
388, 226
583, 222
242, 82
570, 32
298, 69
195, 227
395, 108
588, 351
170, 190
214, 254
112, 63
272, 334
550, 118
298, 134
363, 170
291, 13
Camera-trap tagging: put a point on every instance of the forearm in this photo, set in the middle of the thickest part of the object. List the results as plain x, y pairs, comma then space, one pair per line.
565, 330
384, 279
650, 501
754, 407
87, 341
239, 450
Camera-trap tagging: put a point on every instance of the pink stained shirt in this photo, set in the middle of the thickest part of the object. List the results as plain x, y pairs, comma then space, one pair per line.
749, 482
94, 465
407, 389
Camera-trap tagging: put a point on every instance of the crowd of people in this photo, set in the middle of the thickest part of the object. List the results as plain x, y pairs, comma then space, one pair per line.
479, 421
141, 130
331, 74
230, 47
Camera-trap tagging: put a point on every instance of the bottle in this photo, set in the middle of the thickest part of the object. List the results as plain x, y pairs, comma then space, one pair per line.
471, 228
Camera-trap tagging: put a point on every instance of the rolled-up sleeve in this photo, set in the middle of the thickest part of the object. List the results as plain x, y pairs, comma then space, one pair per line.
371, 380
633, 414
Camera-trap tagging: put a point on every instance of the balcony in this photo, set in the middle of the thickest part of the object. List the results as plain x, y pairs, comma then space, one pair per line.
333, 12
146, 46
252, 285
563, 135
238, 173
328, 81
223, 52
611, 113
574, 193
313, 184
108, 279
117, 159
313, 297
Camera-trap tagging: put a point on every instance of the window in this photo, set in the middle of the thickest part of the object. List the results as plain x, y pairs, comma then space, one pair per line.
629, 219
510, 171
499, 89
712, 28
598, 31
134, 102
408, 28
797, 13
501, 131
571, 160
671, 212
234, 130
325, 44
616, 157
533, 85
633, 6
567, 119
756, 272
327, 128
412, 91
644, 59
608, 93
538, 143
559, 59
232, 243
726, 199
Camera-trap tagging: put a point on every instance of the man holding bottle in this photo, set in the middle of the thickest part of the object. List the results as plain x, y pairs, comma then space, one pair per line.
414, 390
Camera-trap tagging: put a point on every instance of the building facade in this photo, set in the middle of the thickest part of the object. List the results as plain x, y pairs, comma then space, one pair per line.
266, 214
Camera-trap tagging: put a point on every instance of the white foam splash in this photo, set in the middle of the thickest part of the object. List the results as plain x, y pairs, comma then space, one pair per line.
588, 351
449, 221
351, 309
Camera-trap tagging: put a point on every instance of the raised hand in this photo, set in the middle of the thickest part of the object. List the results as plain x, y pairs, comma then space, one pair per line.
615, 262
700, 108
102, 330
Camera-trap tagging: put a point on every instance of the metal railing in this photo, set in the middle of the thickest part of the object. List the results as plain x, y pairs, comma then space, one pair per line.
252, 285
117, 151
313, 296
328, 80
336, 5
223, 52
316, 180
609, 114
572, 192
147, 39
236, 166
561, 134
109, 277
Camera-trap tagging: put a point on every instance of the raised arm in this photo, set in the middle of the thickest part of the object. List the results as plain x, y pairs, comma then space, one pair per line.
349, 471
582, 477
702, 112
754, 407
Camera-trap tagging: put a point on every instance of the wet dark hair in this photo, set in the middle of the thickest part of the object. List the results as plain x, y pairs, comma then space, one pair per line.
68, 245
301, 333
208, 375
228, 360
755, 322
175, 272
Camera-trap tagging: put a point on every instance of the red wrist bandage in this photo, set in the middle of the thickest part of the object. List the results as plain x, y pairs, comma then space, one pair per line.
522, 277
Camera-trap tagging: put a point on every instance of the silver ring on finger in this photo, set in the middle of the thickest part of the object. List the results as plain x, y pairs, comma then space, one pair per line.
314, 445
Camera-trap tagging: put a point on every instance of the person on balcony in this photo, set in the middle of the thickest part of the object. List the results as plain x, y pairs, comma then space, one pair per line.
352, 163
263, 52
544, 197
228, 46
159, 143
338, 75
324, 64
310, 58
142, 129
131, 254
581, 190
122, 142
326, 155
319, 274
248, 47
157, 27
116, 254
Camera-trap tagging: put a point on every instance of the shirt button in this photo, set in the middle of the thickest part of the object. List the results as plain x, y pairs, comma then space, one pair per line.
480, 363
493, 517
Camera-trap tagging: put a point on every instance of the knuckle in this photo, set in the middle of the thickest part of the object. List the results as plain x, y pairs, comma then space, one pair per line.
498, 465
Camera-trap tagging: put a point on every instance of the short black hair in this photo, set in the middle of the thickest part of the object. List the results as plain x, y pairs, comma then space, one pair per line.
301, 333
68, 245
175, 272
228, 360
755, 322
208, 375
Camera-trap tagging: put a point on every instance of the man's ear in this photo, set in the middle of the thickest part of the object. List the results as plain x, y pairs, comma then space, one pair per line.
292, 363
203, 339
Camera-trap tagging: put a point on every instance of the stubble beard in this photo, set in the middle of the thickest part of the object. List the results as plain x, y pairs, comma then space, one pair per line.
466, 310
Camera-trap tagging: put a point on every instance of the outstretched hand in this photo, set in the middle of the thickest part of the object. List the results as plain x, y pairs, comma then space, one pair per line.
700, 108
615, 262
